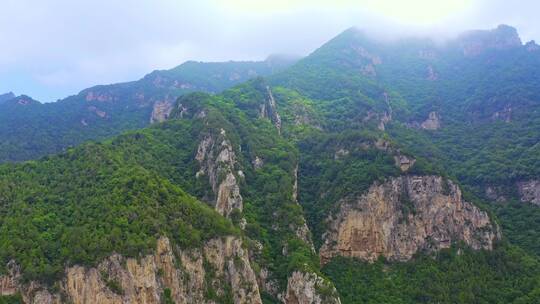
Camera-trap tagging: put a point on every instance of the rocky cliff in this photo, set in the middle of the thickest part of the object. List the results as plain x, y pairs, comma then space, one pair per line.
217, 271
403, 216
268, 109
162, 109
217, 161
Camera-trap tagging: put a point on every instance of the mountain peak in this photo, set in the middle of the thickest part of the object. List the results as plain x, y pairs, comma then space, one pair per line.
7, 96
477, 41
22, 100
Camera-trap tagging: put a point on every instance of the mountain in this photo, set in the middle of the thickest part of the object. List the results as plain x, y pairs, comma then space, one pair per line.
456, 103
472, 114
5, 97
99, 112
351, 176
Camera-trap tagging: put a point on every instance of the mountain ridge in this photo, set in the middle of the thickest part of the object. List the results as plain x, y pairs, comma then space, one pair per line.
357, 174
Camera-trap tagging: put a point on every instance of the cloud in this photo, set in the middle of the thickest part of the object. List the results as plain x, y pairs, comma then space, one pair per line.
54, 48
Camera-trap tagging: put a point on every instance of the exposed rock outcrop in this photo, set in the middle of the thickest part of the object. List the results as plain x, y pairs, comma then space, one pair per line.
301, 230
529, 191
97, 111
433, 122
476, 42
9, 283
404, 162
504, 114
12, 284
161, 111
100, 96
403, 216
221, 265
380, 118
269, 110
217, 160
309, 288
341, 153
369, 61
258, 163
494, 193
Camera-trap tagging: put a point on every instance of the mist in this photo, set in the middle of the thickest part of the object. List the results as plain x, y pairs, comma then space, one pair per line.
54, 48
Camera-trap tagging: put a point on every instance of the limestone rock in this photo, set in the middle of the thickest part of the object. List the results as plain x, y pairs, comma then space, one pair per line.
161, 111
269, 110
403, 216
100, 96
258, 163
432, 122
217, 160
505, 114
529, 191
404, 162
119, 280
33, 292
305, 288
9, 282
97, 111
341, 153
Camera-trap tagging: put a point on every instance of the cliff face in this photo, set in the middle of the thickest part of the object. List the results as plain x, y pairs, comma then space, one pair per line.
269, 110
403, 216
162, 109
217, 161
220, 269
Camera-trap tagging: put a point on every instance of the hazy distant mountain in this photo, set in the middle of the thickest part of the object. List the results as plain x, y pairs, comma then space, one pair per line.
5, 97
98, 112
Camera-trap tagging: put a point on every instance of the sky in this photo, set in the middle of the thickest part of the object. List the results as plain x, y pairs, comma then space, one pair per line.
50, 49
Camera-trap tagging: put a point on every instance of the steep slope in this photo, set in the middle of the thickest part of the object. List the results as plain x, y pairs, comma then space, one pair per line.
103, 111
441, 104
468, 106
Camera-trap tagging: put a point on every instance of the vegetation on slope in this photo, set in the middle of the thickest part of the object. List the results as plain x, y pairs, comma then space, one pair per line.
456, 275
83, 205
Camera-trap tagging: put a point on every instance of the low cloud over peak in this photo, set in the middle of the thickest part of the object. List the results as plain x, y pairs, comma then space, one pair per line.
55, 48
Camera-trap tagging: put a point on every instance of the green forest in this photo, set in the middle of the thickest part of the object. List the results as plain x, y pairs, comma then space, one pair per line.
304, 137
